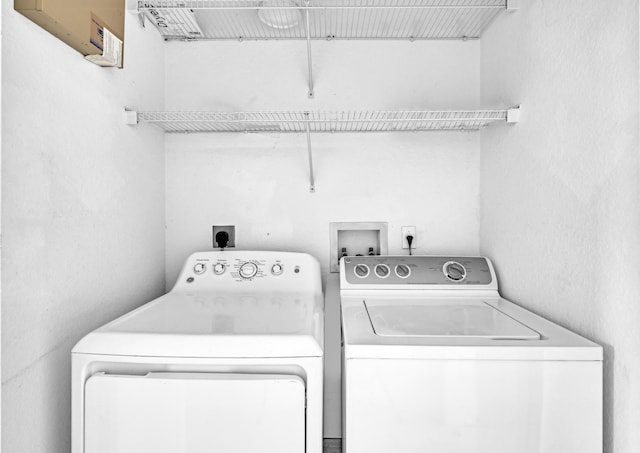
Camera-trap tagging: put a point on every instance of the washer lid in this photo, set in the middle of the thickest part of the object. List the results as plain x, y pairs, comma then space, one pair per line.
362, 342
442, 318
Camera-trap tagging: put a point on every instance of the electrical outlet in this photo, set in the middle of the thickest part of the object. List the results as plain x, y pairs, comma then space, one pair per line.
408, 231
230, 230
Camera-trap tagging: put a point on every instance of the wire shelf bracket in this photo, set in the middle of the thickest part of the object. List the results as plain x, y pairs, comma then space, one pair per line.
513, 5
513, 115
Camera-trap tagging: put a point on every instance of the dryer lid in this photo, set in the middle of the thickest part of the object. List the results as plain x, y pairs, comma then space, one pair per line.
444, 318
211, 313
212, 325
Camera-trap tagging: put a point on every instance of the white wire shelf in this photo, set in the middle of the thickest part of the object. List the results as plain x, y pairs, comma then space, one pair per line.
313, 122
344, 121
322, 19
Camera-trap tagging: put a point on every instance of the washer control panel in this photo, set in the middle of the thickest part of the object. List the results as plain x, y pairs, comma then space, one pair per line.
417, 270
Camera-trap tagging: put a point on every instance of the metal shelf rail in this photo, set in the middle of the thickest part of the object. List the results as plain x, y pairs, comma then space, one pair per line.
325, 122
321, 19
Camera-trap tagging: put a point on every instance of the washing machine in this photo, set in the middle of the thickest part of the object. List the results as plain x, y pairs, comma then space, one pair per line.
229, 360
434, 360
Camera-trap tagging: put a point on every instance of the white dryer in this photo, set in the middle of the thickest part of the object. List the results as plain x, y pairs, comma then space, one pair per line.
436, 361
229, 360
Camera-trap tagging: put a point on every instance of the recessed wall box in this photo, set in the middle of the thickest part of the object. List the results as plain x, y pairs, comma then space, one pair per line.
222, 240
92, 27
357, 238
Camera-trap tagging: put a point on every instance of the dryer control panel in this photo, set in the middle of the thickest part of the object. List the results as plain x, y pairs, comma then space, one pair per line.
416, 270
251, 270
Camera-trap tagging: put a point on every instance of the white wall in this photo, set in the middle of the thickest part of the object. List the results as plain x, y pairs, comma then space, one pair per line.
0, 216
560, 211
260, 182
82, 214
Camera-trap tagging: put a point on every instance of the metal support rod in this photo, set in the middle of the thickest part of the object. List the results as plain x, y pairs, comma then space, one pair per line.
308, 25
312, 182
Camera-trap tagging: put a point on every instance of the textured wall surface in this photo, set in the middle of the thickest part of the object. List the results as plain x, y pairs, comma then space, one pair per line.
259, 182
82, 215
560, 210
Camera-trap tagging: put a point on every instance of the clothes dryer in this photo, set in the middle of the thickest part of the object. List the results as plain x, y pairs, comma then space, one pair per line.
434, 360
229, 360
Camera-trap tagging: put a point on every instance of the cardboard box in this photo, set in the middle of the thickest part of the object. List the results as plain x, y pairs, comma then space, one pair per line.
79, 23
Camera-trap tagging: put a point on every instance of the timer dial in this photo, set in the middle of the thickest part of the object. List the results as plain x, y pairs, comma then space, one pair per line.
248, 270
454, 271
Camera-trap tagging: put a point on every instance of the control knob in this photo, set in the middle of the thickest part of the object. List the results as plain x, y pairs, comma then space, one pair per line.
276, 269
199, 268
361, 270
248, 270
454, 271
403, 271
382, 270
219, 268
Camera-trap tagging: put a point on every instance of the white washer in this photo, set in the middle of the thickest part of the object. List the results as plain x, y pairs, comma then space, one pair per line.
436, 361
229, 360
